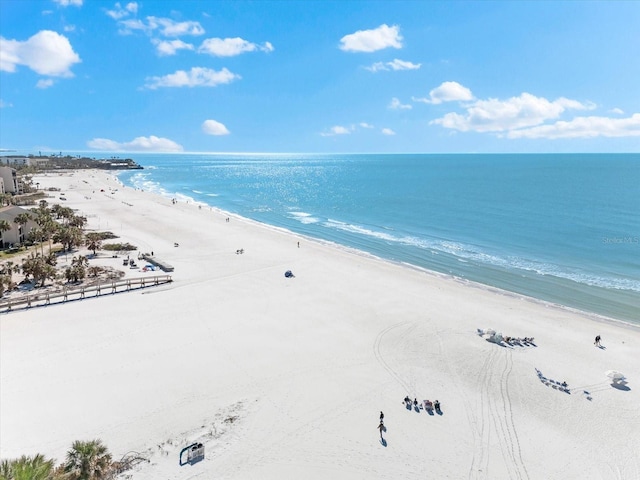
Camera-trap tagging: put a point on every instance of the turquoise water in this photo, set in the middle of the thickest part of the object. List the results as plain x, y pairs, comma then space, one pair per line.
562, 228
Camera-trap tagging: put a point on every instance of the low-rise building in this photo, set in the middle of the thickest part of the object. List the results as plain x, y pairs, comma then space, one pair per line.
10, 179
17, 234
15, 160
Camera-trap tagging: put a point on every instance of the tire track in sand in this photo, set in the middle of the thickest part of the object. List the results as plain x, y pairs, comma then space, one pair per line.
480, 422
502, 418
377, 351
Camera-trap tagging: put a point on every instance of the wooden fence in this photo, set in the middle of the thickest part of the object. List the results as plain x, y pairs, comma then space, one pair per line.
67, 294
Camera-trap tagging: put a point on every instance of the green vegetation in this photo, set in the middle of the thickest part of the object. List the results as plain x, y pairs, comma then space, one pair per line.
119, 247
27, 468
61, 225
86, 460
105, 235
78, 269
41, 268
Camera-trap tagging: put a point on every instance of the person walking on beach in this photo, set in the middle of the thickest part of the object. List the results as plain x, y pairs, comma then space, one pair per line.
597, 342
381, 428
381, 416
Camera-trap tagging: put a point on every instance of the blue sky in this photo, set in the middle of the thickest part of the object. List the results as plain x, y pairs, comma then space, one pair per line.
319, 76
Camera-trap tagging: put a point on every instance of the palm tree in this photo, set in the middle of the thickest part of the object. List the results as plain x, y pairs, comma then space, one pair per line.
5, 199
4, 227
49, 228
22, 219
93, 241
68, 236
9, 268
41, 268
77, 221
88, 460
78, 269
5, 470
27, 468
6, 280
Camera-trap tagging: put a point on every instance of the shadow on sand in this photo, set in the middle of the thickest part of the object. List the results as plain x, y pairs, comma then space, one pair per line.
620, 386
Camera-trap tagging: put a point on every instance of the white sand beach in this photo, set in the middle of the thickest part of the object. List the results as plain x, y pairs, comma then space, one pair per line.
286, 377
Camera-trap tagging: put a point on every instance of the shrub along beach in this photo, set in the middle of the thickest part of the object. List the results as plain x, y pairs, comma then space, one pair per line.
285, 376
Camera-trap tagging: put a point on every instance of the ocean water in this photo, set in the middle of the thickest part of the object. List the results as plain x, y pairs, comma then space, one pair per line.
557, 227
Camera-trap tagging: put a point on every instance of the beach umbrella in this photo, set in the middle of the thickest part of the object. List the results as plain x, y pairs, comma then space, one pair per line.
614, 375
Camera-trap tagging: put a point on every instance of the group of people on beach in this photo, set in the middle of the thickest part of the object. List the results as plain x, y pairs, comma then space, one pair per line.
518, 341
428, 405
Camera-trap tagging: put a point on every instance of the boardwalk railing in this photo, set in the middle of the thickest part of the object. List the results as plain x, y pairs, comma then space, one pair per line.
114, 286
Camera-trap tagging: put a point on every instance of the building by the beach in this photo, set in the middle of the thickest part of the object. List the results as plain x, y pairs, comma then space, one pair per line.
17, 233
9, 180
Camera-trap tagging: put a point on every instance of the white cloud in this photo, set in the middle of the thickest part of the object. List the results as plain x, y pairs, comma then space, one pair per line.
376, 67
138, 144
4, 104
337, 130
164, 26
583, 127
447, 92
230, 47
403, 65
69, 28
393, 65
387, 131
128, 26
170, 47
121, 12
395, 104
372, 40
617, 111
170, 28
196, 77
44, 83
365, 125
66, 3
212, 127
495, 115
46, 53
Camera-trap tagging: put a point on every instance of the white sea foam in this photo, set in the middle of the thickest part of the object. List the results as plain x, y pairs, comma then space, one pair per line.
143, 182
347, 227
304, 217
261, 209
466, 253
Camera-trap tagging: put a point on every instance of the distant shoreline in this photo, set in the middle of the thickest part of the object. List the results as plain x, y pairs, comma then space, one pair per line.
71, 162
